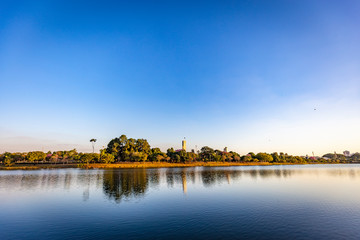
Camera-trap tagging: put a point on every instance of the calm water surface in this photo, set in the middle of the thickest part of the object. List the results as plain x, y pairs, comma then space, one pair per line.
273, 202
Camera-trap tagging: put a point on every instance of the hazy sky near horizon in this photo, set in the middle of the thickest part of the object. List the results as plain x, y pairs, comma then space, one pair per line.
243, 74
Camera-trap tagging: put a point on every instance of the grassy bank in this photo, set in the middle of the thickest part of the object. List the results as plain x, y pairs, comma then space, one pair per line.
38, 166
167, 165
143, 165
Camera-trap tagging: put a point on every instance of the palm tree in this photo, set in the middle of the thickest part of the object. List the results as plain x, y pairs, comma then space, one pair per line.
93, 141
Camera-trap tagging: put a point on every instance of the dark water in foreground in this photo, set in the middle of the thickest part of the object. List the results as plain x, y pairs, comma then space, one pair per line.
275, 202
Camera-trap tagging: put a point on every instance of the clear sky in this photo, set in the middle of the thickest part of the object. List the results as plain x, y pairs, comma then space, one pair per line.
243, 74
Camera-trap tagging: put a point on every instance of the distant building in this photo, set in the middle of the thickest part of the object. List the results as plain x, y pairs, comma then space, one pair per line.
184, 145
225, 149
347, 153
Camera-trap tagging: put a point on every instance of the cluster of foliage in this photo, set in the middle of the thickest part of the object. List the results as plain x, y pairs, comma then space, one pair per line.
334, 157
123, 149
58, 157
138, 150
129, 150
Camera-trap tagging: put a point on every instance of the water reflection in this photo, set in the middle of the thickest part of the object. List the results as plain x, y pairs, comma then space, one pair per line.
283, 202
125, 184
184, 184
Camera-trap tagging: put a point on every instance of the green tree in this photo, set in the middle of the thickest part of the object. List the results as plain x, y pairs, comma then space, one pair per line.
282, 157
125, 149
107, 158
184, 156
142, 145
18, 157
35, 156
88, 158
355, 157
207, 154
170, 152
72, 153
177, 158
276, 157
114, 148
8, 159
138, 156
156, 155
264, 157
246, 158
235, 156
216, 157
54, 158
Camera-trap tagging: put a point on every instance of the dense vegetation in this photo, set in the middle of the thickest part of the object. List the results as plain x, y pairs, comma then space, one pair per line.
123, 149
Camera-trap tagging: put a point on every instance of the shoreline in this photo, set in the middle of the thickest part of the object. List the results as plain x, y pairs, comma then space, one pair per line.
125, 165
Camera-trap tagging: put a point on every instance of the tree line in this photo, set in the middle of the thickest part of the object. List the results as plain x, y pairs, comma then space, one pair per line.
123, 149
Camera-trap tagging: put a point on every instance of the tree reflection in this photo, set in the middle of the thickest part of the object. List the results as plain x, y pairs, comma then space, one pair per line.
211, 176
125, 184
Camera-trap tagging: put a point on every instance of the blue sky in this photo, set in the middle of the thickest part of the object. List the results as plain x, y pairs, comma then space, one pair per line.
242, 74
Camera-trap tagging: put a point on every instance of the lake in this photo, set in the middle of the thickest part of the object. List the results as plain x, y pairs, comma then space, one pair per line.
242, 202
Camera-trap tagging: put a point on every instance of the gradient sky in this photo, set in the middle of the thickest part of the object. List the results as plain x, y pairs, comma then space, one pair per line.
242, 74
